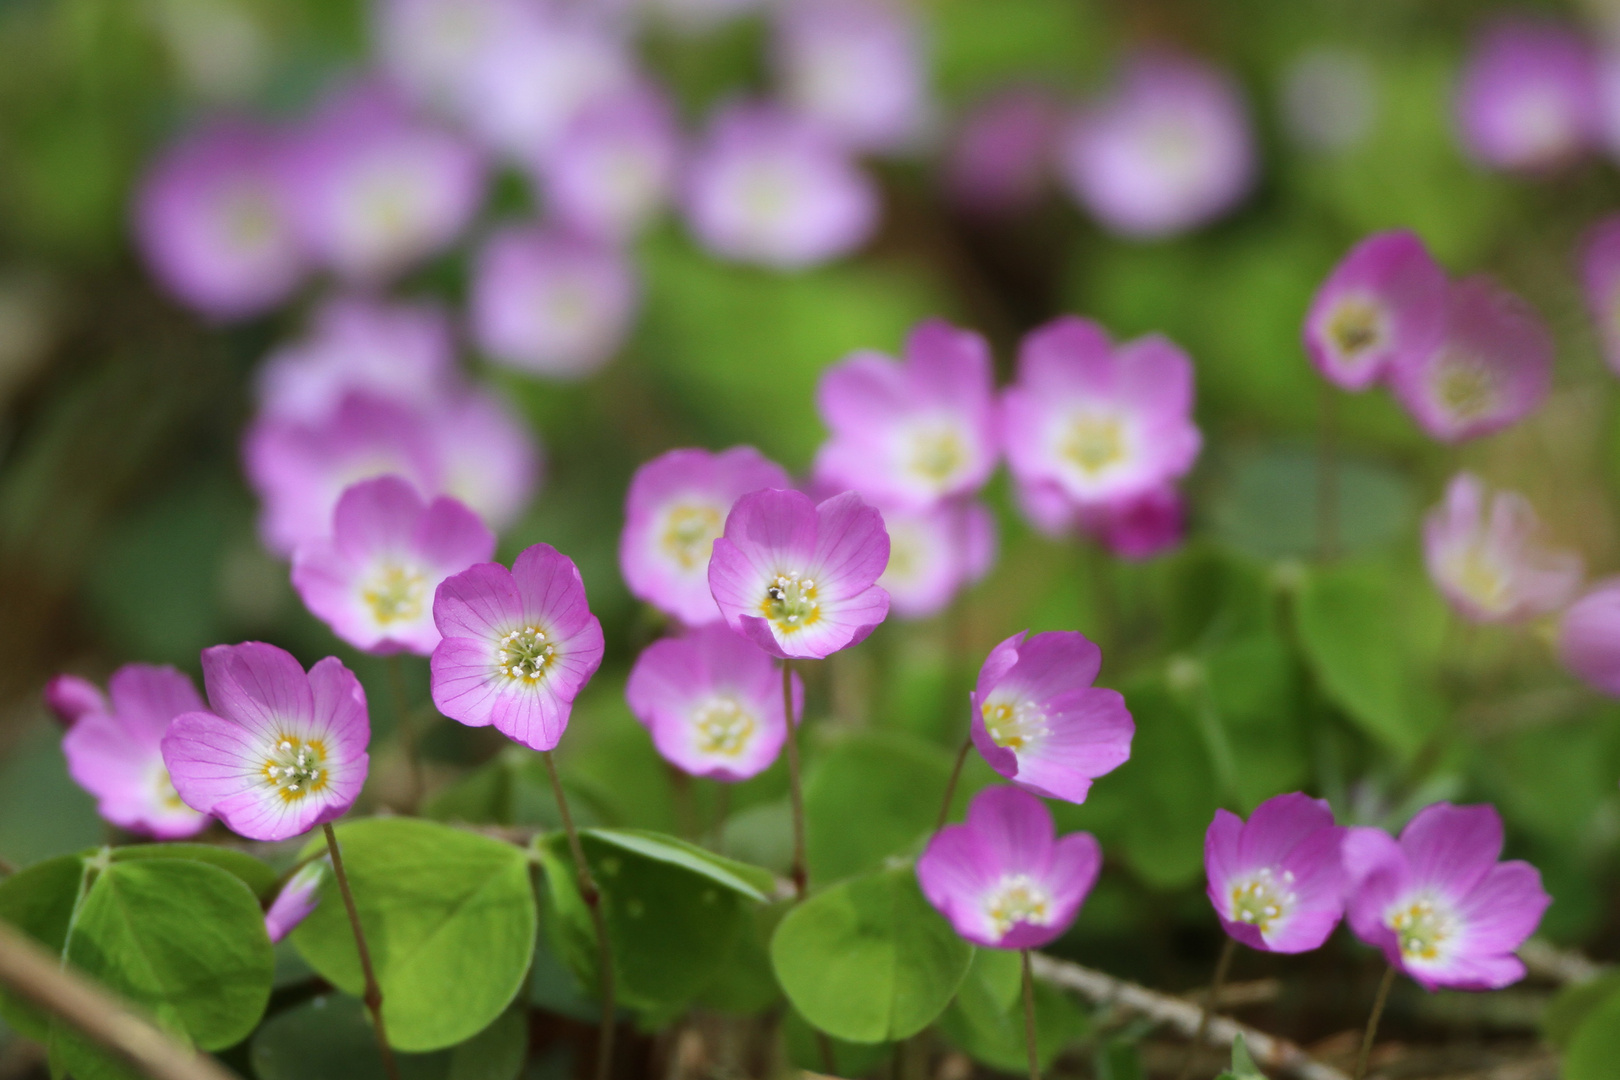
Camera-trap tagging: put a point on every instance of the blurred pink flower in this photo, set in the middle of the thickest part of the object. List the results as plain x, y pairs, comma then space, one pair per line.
296, 900
1589, 637
675, 509
213, 218
934, 553
1383, 305
432, 48
1001, 158
713, 702
1600, 275
518, 646
68, 697
1488, 558
279, 751
614, 166
114, 751
1529, 96
1276, 881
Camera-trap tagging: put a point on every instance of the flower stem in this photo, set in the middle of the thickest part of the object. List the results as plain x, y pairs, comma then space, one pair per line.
796, 797
1327, 476
1222, 967
406, 731
373, 996
1029, 1019
950, 785
1372, 1022
593, 901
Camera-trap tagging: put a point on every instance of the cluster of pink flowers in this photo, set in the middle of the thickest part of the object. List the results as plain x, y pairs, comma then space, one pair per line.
1165, 148
1465, 358
1437, 901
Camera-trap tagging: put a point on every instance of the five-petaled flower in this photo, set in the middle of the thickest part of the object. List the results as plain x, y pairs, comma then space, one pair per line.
1276, 881
1438, 903
713, 702
1488, 558
279, 751
1002, 879
518, 646
373, 580
114, 746
1384, 304
1040, 723
800, 579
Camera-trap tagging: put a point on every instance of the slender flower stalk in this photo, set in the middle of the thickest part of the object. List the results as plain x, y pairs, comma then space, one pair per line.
593, 901
1223, 967
796, 797
1372, 1022
1030, 1045
950, 785
373, 996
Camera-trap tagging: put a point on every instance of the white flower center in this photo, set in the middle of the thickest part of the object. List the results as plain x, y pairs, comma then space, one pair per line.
1093, 442
689, 533
722, 727
295, 767
1422, 928
790, 602
1018, 898
395, 594
936, 454
525, 654
1015, 724
1263, 897
1485, 581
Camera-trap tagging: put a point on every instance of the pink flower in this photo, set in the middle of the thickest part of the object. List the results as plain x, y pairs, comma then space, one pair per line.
68, 697
1002, 879
1600, 274
518, 646
487, 454
1383, 305
1099, 423
614, 165
1276, 881
1490, 563
856, 67
551, 303
114, 751
432, 48
1492, 370
1136, 527
279, 751
713, 702
766, 186
1438, 903
1589, 637
675, 509
296, 900
401, 352
1167, 149
934, 553
1000, 160
213, 221
799, 579
1040, 723
1529, 96
372, 581
911, 434
377, 191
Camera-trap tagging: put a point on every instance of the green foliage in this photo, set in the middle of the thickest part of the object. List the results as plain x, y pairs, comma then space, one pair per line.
987, 1018
330, 1037
869, 960
1265, 504
1243, 1066
250, 871
1594, 1044
441, 908
868, 797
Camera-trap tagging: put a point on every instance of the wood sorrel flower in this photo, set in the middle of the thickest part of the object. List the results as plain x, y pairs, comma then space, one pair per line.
1277, 882
213, 219
1489, 560
1384, 302
770, 187
518, 646
675, 509
1438, 903
713, 702
1529, 95
1600, 275
279, 751
800, 579
1139, 527
1589, 637
432, 47
1492, 369
1099, 423
1167, 149
614, 165
551, 303
934, 553
372, 581
69, 697
1038, 720
297, 898
1000, 159
911, 434
114, 747
1002, 879
375, 190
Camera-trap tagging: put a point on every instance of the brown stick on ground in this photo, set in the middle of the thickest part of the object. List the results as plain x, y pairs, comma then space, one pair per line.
31, 972
1181, 1015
